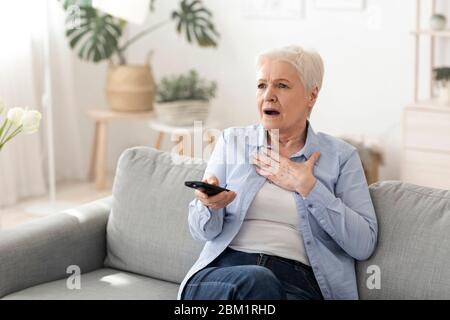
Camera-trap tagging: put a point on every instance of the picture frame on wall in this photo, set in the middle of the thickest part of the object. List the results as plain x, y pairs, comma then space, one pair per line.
340, 4
273, 9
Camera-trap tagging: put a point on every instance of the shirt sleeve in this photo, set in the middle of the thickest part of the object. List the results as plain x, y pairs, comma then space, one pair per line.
347, 215
205, 224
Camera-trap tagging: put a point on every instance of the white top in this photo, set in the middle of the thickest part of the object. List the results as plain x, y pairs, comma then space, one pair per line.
271, 226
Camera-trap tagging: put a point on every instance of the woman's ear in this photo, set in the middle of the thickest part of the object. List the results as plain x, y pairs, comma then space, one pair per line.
313, 97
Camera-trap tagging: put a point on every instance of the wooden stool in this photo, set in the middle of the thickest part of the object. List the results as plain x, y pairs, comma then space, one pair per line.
102, 117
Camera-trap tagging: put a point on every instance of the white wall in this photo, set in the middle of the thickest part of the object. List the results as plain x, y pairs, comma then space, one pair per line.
368, 55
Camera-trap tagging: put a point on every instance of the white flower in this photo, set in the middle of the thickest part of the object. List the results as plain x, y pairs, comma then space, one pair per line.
2, 106
15, 115
30, 121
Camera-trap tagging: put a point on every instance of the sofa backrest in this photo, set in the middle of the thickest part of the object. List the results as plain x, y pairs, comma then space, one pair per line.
147, 231
412, 257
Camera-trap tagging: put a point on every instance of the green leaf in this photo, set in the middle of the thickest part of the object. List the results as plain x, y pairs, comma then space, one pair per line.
185, 87
195, 21
83, 49
5, 121
97, 36
80, 3
77, 37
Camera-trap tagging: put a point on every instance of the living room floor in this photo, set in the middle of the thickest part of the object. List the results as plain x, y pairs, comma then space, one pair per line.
70, 194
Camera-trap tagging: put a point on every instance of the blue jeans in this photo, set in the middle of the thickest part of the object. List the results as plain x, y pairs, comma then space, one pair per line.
236, 275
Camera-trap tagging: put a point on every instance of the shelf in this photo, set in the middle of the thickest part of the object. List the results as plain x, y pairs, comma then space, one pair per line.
429, 105
433, 33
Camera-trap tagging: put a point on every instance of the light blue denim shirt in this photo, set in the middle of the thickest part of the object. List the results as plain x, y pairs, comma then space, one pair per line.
337, 218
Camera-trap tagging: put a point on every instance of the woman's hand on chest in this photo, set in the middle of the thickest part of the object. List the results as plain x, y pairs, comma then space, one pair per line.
286, 173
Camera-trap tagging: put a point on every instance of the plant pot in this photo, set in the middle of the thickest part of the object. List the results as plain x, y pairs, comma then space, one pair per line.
443, 95
438, 22
130, 88
182, 113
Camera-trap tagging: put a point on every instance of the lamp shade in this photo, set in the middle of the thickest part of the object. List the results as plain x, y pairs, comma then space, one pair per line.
134, 11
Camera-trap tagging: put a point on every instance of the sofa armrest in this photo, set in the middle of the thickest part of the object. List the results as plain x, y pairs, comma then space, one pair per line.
41, 250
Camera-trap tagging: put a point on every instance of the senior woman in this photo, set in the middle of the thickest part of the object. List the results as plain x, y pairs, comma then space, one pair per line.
299, 211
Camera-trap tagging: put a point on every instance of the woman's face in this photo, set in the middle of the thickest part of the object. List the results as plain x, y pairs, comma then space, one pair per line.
282, 100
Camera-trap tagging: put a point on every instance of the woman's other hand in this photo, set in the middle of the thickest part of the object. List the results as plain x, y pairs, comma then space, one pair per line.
217, 201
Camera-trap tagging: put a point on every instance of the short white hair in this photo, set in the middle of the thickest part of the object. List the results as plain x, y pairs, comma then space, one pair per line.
309, 64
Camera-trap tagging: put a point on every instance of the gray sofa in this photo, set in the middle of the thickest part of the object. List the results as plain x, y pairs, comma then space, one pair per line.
136, 244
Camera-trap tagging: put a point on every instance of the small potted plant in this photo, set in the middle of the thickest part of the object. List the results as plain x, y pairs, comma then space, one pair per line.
183, 99
438, 22
442, 80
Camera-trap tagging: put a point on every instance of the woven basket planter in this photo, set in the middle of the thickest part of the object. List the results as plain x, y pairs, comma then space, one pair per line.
130, 88
182, 113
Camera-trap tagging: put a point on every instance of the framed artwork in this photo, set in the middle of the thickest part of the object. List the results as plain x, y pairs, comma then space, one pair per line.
273, 9
339, 4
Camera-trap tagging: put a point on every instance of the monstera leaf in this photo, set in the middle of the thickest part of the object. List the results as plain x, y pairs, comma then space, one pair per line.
96, 35
194, 21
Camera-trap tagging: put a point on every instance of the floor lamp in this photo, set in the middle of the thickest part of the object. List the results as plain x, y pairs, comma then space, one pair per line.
52, 205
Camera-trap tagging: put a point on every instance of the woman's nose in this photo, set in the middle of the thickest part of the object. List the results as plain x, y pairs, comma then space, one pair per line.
270, 95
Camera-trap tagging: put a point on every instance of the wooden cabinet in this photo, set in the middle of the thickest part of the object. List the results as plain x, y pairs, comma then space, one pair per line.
426, 146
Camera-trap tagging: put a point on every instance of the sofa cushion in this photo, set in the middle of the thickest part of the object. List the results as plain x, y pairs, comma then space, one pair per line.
105, 284
413, 251
147, 231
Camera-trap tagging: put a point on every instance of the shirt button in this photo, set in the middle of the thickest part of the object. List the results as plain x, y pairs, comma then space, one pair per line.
308, 242
303, 217
310, 206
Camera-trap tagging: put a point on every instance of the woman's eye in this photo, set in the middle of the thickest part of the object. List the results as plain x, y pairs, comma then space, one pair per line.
261, 86
282, 85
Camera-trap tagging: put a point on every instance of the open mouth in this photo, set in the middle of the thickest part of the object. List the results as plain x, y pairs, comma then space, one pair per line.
271, 112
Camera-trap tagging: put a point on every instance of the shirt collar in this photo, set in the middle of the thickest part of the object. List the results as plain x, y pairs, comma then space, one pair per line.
311, 143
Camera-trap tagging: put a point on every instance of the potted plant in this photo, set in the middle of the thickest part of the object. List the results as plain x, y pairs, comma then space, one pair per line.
98, 37
183, 99
438, 22
442, 80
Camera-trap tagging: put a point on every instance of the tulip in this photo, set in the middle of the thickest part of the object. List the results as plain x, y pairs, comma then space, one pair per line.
15, 116
30, 121
24, 120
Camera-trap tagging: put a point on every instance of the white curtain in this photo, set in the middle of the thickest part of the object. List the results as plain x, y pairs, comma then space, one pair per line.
23, 161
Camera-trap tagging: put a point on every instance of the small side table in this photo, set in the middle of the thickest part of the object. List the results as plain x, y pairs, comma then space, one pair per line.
102, 117
177, 131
